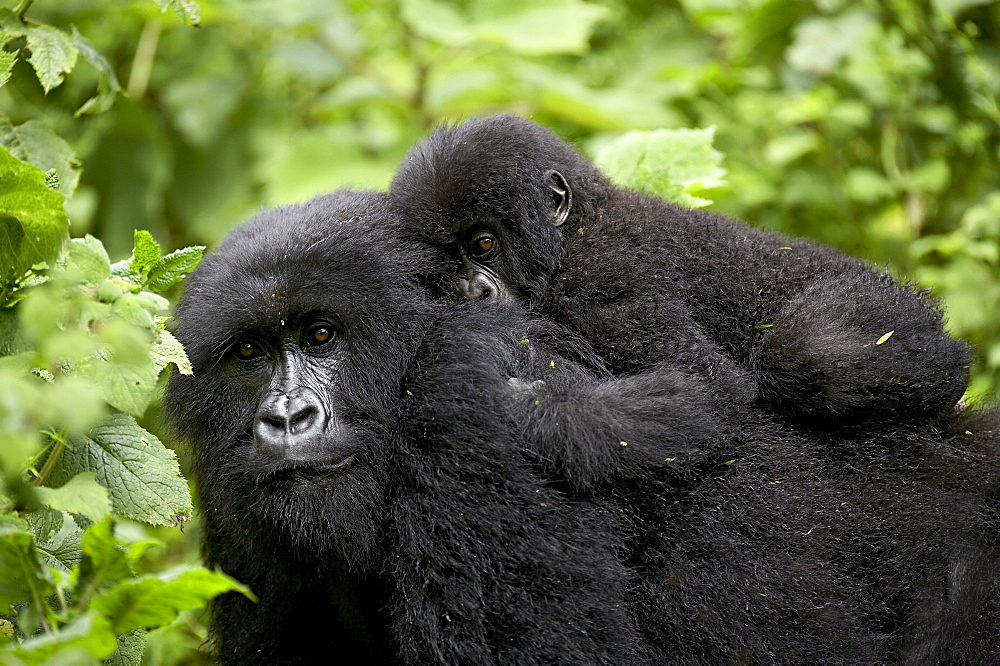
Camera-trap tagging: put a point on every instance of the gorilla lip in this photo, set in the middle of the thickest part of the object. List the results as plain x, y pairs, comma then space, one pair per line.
308, 469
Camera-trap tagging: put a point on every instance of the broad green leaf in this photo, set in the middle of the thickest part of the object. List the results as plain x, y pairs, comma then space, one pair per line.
33, 224
53, 54
35, 143
672, 164
174, 267
22, 575
169, 350
108, 86
141, 474
82, 494
89, 633
150, 601
529, 26
104, 565
145, 254
187, 9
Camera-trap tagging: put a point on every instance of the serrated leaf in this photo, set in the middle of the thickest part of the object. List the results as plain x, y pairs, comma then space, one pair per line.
186, 9
145, 254
33, 224
89, 633
149, 602
7, 61
104, 564
22, 575
170, 350
35, 143
671, 164
82, 494
53, 54
108, 86
130, 649
174, 267
141, 474
61, 549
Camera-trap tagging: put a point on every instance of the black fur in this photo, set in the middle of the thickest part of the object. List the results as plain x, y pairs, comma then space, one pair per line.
562, 517
646, 281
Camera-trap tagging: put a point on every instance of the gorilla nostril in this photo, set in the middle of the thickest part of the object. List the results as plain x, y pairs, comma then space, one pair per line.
302, 420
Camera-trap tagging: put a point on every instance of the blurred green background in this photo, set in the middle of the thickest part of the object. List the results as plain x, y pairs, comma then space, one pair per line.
872, 125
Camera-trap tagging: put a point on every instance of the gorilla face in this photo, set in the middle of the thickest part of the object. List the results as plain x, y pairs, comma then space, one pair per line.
299, 347
492, 195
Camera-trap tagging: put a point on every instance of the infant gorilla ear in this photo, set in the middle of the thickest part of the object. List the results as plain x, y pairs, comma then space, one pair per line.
798, 328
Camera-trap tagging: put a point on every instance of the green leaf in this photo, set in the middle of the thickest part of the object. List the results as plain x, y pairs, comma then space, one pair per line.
88, 255
174, 267
35, 143
522, 26
104, 565
82, 494
22, 575
7, 61
672, 164
33, 224
884, 337
53, 54
89, 633
169, 350
61, 549
108, 86
145, 254
186, 9
130, 649
140, 473
149, 602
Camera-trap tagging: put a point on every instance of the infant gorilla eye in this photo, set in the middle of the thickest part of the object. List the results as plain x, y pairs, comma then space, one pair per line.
246, 350
483, 245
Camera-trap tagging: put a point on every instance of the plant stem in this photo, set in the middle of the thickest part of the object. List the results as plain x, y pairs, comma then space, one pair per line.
22, 8
50, 462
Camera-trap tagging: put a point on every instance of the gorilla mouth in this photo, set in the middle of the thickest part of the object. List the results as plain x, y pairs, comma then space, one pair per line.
300, 475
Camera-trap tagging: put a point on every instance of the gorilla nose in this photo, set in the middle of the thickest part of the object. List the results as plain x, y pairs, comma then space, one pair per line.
287, 425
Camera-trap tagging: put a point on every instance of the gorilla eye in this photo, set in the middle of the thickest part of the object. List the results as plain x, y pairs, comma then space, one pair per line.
483, 245
319, 335
246, 350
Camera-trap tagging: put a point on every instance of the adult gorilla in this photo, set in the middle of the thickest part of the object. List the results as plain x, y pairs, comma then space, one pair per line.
402, 481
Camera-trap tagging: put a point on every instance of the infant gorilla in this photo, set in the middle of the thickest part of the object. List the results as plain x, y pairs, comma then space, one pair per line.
809, 333
367, 467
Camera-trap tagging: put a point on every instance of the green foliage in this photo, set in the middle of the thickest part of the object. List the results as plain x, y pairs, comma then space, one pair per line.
676, 165
82, 345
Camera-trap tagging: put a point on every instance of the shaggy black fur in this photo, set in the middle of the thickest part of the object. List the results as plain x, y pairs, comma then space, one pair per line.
506, 504
646, 281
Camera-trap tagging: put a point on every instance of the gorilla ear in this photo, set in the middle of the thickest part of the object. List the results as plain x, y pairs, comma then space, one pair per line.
562, 197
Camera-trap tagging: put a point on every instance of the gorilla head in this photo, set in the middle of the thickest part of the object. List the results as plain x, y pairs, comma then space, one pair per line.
500, 190
295, 389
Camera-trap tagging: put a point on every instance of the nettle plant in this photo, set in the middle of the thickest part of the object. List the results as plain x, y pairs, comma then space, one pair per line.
82, 345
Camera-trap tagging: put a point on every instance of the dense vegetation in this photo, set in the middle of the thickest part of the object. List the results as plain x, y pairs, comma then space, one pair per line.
872, 125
